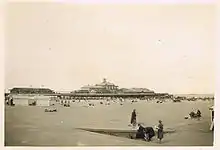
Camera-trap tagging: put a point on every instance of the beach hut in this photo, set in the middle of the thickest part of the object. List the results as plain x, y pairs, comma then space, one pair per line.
20, 100
212, 118
53, 100
42, 100
26, 100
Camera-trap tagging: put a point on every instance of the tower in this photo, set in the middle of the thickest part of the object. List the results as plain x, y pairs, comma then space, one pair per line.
104, 80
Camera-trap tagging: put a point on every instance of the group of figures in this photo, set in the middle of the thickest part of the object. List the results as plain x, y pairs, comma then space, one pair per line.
10, 101
194, 115
146, 133
50, 110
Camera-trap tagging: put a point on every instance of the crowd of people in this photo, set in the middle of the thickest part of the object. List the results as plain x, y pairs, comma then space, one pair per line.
184, 98
157, 99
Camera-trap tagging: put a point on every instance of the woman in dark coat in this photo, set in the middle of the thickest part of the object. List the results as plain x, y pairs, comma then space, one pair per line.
160, 131
133, 118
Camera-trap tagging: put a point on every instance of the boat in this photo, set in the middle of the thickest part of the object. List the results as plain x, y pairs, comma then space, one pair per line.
125, 133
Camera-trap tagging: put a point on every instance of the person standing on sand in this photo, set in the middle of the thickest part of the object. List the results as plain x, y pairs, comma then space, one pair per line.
133, 118
160, 131
198, 113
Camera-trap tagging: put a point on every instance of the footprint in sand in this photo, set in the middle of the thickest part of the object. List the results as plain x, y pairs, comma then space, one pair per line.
80, 144
23, 142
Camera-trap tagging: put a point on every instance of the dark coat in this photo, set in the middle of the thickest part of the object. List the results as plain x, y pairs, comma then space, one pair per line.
198, 113
143, 133
133, 117
150, 131
160, 131
140, 133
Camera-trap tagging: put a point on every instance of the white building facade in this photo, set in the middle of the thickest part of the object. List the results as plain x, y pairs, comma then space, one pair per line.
25, 100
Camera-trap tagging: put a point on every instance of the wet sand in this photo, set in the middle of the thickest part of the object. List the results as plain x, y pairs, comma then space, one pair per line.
31, 126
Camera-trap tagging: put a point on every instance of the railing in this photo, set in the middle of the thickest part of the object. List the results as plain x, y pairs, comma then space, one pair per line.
107, 94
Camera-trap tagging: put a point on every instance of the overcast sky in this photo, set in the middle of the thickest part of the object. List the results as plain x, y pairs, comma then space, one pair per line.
166, 48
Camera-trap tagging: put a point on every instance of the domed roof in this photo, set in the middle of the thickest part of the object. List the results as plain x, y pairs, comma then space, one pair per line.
105, 82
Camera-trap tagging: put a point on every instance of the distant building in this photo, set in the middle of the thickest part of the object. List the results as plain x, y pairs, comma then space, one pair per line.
107, 87
103, 87
30, 96
136, 90
19, 90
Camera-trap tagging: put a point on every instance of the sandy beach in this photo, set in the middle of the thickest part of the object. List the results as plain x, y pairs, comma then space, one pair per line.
62, 59
31, 126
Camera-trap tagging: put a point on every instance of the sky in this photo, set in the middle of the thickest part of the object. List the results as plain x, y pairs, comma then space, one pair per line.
166, 48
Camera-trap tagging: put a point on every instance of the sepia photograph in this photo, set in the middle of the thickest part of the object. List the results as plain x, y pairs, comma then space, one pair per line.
109, 74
